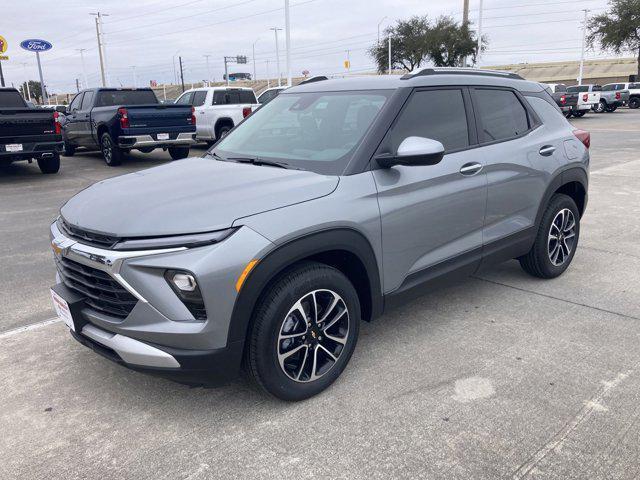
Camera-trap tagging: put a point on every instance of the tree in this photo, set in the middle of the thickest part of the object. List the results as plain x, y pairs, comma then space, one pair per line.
617, 30
34, 88
414, 41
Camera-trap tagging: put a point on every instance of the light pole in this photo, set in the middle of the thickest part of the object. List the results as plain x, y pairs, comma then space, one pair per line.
253, 49
275, 31
84, 70
287, 36
24, 66
268, 75
380, 23
208, 71
584, 35
389, 53
479, 34
101, 47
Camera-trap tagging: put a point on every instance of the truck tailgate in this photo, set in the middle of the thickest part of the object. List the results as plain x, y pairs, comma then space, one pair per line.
25, 122
155, 116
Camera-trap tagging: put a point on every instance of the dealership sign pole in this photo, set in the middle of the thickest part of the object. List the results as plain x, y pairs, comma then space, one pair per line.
37, 46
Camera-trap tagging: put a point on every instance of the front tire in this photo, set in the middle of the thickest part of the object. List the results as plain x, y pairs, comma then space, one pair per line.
178, 153
50, 165
611, 109
110, 152
556, 241
69, 149
304, 331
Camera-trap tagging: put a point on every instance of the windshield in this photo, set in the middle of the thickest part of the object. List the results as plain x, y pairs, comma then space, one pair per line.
312, 131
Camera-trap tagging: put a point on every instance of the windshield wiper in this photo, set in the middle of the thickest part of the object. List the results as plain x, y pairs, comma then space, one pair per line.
259, 161
216, 156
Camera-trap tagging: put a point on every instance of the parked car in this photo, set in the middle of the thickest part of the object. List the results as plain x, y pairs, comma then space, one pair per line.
27, 133
218, 109
587, 99
269, 251
610, 98
565, 100
632, 87
269, 94
118, 120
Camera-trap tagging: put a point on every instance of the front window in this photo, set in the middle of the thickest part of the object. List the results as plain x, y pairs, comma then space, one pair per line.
312, 131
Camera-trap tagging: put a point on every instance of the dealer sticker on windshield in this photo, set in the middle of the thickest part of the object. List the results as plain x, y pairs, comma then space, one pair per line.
163, 136
62, 309
13, 147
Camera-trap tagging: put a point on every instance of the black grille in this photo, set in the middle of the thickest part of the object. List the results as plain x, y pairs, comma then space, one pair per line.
102, 292
88, 238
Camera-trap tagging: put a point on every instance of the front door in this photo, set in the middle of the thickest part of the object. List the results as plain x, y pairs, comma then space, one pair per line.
432, 216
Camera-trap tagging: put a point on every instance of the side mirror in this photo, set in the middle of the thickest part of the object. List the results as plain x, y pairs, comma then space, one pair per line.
414, 151
61, 109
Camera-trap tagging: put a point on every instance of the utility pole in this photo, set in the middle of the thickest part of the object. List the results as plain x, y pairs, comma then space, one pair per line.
389, 54
77, 85
479, 34
584, 36
465, 21
208, 71
268, 75
84, 70
287, 37
181, 73
275, 30
101, 48
26, 75
1, 75
255, 75
380, 23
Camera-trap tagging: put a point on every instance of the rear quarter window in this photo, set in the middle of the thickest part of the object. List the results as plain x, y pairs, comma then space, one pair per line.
502, 115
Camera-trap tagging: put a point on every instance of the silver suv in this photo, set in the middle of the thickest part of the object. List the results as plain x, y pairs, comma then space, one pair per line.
329, 205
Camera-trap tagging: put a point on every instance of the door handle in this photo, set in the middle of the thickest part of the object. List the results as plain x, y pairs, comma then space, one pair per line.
469, 169
547, 150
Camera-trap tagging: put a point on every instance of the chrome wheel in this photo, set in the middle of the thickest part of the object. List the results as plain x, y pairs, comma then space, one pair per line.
106, 149
562, 237
313, 335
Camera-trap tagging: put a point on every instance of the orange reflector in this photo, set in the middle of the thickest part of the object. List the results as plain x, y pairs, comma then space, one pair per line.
244, 274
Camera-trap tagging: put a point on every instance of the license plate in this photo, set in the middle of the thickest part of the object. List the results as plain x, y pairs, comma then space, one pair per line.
163, 136
62, 309
13, 147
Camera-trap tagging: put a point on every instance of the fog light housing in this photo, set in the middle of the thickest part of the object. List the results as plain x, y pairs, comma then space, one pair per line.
185, 286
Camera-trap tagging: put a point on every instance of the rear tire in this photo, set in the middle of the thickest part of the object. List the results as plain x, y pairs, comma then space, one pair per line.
50, 165
178, 153
69, 149
579, 113
556, 241
567, 114
600, 107
222, 131
634, 103
110, 152
611, 109
296, 350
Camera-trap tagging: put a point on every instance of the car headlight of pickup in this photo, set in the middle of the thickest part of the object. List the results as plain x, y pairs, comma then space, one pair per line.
189, 241
185, 286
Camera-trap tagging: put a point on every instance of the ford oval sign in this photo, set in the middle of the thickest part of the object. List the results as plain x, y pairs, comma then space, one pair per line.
35, 45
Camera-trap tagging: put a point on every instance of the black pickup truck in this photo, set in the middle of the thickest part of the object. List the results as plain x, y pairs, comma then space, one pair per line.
118, 120
567, 101
28, 133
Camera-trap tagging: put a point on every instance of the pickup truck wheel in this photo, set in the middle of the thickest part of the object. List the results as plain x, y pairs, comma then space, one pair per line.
50, 165
304, 331
579, 113
222, 132
568, 114
611, 109
111, 153
556, 241
178, 153
600, 106
69, 150
634, 103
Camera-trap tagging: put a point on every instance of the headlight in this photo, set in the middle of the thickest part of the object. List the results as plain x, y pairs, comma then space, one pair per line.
189, 241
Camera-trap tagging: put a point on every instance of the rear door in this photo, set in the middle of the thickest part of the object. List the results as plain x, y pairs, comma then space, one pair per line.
519, 155
432, 216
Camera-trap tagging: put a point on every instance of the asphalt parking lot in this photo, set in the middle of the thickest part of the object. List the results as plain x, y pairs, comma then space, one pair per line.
502, 376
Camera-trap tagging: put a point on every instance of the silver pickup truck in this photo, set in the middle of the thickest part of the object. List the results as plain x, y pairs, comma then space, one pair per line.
634, 91
610, 97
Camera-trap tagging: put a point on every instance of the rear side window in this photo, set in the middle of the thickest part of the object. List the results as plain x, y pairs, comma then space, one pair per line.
233, 97
110, 98
86, 101
596, 88
436, 114
199, 98
578, 88
247, 97
634, 85
502, 115
11, 99
185, 99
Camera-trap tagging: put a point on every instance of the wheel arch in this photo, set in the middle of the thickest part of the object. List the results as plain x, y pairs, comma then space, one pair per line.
572, 182
221, 122
345, 249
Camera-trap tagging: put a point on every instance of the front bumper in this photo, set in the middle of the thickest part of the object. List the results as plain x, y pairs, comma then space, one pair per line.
145, 141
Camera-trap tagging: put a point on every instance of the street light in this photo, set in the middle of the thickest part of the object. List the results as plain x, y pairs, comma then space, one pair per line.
380, 23
208, 71
253, 48
275, 31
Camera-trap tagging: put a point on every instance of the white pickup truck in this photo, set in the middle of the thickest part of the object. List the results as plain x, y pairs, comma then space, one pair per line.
218, 109
588, 97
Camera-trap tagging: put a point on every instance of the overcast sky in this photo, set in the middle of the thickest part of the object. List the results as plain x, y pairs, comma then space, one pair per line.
149, 34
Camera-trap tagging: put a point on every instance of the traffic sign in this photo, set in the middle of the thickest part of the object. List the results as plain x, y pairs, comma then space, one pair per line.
36, 45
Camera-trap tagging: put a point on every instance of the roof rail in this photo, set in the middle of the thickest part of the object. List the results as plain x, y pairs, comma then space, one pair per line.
461, 71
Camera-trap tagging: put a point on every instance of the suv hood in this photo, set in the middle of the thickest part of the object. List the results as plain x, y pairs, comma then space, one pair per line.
190, 196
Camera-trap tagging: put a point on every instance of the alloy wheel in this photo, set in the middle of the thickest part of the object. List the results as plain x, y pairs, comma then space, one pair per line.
562, 237
106, 149
313, 335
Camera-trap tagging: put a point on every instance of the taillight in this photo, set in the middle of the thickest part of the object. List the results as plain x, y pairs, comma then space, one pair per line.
246, 111
617, 95
585, 97
563, 99
124, 117
193, 116
583, 136
56, 123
